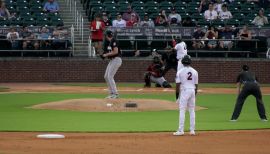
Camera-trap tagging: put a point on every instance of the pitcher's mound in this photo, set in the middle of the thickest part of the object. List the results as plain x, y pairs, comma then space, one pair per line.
111, 105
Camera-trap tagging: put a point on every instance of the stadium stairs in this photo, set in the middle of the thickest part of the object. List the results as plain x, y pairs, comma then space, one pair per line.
81, 47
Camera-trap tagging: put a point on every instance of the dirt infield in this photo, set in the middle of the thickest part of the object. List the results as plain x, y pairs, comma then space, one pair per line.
110, 105
211, 142
220, 142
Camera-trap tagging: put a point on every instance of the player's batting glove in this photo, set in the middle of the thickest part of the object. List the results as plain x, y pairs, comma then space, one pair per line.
102, 57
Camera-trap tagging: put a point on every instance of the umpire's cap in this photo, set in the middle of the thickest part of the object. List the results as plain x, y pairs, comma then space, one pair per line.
245, 67
186, 60
109, 33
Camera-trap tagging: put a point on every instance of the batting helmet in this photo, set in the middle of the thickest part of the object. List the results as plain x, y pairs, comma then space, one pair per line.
245, 67
109, 33
178, 39
186, 60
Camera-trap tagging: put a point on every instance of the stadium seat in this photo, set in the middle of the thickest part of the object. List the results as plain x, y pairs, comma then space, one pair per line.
137, 4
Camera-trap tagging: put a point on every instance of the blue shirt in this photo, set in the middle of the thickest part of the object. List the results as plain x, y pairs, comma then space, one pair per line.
51, 7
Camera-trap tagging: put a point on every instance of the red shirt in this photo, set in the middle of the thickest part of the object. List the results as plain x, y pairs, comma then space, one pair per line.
155, 70
97, 34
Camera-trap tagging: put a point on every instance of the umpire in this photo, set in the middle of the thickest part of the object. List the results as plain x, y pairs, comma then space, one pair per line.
251, 87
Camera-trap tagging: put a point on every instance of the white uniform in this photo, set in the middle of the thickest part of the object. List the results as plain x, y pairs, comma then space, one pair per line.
188, 78
181, 51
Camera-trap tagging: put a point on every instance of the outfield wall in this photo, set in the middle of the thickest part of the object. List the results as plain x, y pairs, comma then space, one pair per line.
132, 70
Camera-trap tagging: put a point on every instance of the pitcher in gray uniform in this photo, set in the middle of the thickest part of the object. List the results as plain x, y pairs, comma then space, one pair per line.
113, 53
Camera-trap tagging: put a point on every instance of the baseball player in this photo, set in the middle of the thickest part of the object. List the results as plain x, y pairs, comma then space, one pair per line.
113, 53
187, 81
155, 74
181, 51
251, 87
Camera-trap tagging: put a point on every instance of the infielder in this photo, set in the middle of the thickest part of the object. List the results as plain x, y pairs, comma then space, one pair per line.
113, 53
251, 87
181, 51
187, 80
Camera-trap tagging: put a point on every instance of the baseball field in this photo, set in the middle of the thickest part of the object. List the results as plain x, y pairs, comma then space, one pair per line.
92, 124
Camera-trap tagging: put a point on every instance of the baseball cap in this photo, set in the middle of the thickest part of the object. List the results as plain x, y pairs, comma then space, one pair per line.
109, 33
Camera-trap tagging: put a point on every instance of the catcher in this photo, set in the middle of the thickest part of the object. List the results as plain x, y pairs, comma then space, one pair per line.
155, 74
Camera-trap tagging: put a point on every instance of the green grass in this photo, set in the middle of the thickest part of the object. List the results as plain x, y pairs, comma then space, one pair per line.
15, 116
201, 85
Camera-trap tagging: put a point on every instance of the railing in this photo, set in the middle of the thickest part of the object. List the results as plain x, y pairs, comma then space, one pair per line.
77, 17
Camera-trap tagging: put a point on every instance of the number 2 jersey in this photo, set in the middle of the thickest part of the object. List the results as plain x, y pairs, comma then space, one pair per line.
188, 77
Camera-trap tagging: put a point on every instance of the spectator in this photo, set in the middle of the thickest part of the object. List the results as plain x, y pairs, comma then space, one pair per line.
260, 19
210, 14
211, 34
119, 22
161, 21
128, 13
44, 37
133, 21
226, 33
162, 12
51, 6
224, 13
147, 22
106, 20
59, 38
244, 34
4, 13
13, 37
97, 27
218, 6
29, 39
174, 18
203, 6
197, 35
188, 22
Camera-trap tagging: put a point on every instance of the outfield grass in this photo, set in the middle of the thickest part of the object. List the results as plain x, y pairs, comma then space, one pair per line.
15, 116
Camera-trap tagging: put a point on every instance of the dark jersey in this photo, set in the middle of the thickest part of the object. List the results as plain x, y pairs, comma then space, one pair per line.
155, 69
246, 76
170, 59
108, 47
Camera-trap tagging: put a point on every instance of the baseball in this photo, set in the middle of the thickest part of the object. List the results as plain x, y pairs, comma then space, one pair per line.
109, 104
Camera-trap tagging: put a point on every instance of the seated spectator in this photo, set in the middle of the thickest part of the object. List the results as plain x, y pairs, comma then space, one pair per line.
44, 37
162, 12
60, 40
119, 22
128, 13
147, 22
13, 37
29, 39
260, 19
218, 6
133, 21
225, 14
106, 20
51, 6
203, 6
188, 22
97, 27
197, 35
155, 74
210, 14
4, 13
245, 34
226, 33
174, 18
161, 21
211, 34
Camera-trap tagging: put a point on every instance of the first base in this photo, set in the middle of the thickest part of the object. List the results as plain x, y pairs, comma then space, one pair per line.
50, 136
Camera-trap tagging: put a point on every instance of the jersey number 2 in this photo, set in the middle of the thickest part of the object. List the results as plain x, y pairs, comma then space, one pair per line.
189, 76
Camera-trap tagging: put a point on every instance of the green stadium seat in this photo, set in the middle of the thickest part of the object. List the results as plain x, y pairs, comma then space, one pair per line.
123, 3
43, 22
151, 4
166, 4
137, 4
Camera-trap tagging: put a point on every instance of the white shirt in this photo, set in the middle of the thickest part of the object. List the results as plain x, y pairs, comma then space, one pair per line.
188, 77
13, 35
225, 15
210, 15
176, 15
119, 24
181, 50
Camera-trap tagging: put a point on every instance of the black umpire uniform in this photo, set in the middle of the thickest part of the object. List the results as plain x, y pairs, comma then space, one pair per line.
251, 87
170, 61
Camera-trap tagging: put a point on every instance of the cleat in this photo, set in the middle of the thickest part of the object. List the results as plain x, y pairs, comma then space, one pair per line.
192, 133
233, 120
264, 120
178, 133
